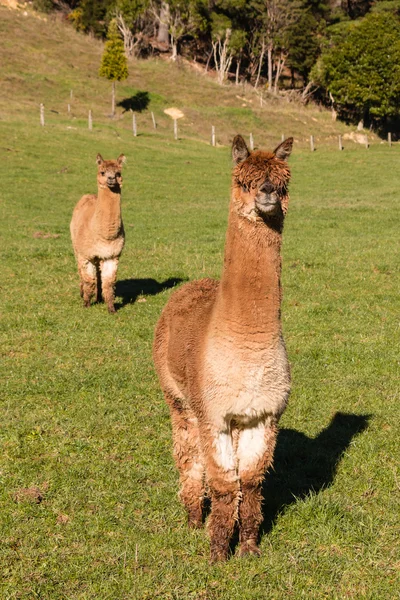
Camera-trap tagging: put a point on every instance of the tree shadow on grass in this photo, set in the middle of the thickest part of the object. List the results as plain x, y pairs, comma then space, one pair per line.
303, 465
138, 102
130, 289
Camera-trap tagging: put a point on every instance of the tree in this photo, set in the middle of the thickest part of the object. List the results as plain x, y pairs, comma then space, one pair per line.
362, 72
304, 45
221, 37
274, 18
175, 19
131, 21
114, 65
89, 15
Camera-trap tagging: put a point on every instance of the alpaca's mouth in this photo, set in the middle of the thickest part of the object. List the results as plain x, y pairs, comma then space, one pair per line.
268, 207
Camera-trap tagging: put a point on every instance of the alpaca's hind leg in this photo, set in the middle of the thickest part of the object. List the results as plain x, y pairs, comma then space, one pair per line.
188, 458
87, 276
108, 270
223, 486
98, 282
255, 454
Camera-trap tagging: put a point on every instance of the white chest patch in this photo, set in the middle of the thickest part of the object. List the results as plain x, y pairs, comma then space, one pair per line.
244, 383
107, 250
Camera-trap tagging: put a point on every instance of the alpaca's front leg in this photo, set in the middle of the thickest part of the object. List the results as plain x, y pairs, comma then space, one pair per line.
108, 270
87, 276
255, 454
188, 458
224, 491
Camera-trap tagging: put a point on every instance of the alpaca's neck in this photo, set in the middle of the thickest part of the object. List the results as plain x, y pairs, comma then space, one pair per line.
108, 220
249, 294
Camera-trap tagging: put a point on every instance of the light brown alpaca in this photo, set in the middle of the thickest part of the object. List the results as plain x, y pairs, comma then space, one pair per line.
98, 235
221, 359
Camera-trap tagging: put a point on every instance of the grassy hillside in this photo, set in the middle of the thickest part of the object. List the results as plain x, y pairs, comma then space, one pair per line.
41, 61
88, 488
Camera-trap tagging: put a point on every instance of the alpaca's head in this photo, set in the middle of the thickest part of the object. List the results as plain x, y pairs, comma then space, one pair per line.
109, 172
260, 180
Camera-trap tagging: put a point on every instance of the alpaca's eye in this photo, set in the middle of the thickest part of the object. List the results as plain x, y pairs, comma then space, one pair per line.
102, 173
245, 188
117, 174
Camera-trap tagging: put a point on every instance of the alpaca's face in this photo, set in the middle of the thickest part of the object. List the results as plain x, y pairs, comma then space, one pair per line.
109, 172
260, 180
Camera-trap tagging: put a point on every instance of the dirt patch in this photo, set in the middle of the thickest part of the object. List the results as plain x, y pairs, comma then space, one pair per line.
32, 494
45, 236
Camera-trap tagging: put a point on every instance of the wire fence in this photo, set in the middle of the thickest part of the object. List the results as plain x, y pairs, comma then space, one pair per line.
152, 123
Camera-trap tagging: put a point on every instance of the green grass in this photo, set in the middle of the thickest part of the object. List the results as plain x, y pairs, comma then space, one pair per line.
82, 417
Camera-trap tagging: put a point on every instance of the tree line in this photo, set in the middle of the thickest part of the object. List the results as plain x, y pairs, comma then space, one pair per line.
343, 53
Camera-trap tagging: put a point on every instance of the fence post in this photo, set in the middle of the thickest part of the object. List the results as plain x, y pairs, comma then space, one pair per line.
366, 142
154, 120
212, 135
42, 115
134, 127
69, 108
90, 121
176, 129
283, 137
71, 94
340, 143
312, 147
390, 140
251, 144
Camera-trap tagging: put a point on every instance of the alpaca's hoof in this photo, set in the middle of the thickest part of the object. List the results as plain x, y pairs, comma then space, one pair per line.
86, 304
218, 554
195, 521
111, 309
249, 547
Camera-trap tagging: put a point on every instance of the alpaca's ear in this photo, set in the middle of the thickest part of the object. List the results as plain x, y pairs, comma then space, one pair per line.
284, 150
99, 159
239, 149
121, 159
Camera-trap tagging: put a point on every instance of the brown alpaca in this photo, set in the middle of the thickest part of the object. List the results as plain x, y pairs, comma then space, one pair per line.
221, 358
98, 235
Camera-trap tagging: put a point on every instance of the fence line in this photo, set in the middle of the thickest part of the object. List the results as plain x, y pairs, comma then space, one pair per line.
311, 138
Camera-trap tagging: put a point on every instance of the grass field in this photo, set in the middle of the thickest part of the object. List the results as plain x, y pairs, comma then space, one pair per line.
88, 496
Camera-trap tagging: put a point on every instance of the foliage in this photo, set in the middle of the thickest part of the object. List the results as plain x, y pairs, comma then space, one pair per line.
131, 10
114, 65
392, 6
45, 6
89, 16
362, 72
303, 43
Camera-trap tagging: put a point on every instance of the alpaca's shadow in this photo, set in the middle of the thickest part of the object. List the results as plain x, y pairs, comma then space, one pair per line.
130, 289
303, 465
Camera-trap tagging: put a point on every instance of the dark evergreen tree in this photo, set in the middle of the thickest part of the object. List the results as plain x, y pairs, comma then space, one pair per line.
303, 41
